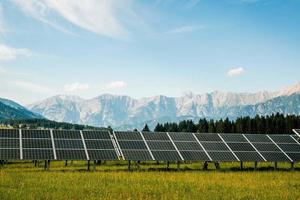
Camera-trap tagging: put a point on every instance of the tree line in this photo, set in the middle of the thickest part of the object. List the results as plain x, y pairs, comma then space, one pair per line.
271, 124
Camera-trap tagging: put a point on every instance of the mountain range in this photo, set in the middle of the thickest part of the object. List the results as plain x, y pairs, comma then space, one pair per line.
124, 112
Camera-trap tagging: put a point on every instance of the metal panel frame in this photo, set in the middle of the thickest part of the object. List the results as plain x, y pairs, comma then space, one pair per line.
146, 145
84, 146
298, 134
21, 144
53, 144
119, 147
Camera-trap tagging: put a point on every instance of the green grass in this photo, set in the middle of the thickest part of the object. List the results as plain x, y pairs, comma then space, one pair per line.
113, 181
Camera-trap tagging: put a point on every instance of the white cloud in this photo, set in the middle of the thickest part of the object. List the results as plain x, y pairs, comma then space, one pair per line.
76, 87
10, 53
185, 29
116, 85
235, 71
103, 17
33, 87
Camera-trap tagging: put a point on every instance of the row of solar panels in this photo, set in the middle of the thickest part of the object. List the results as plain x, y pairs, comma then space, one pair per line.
103, 145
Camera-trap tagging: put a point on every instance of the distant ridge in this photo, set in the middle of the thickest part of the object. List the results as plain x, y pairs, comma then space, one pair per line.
126, 112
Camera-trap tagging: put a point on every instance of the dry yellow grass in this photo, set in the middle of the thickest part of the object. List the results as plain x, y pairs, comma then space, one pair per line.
22, 181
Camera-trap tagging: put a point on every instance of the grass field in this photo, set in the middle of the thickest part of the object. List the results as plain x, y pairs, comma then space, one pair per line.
113, 181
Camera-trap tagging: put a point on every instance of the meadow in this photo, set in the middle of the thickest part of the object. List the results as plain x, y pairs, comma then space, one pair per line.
151, 181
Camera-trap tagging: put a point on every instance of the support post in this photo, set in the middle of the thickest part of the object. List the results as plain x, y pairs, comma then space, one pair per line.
292, 166
66, 163
205, 165
99, 162
89, 165
35, 163
217, 165
168, 164
157, 162
275, 165
129, 165
45, 166
48, 164
242, 167
95, 162
255, 166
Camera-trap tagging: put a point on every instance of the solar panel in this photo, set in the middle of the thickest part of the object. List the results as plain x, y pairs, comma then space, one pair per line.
69, 145
161, 145
132, 146
248, 156
235, 147
275, 157
282, 139
99, 145
202, 137
156, 136
258, 138
186, 146
214, 146
194, 156
222, 156
233, 138
37, 144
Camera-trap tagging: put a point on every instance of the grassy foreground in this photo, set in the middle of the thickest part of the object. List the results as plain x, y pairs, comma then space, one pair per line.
23, 181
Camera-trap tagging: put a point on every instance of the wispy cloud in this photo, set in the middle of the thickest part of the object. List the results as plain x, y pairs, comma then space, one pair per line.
10, 53
235, 71
104, 17
185, 29
76, 87
33, 87
116, 85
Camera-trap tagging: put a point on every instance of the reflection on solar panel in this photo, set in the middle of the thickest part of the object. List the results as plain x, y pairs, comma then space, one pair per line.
100, 145
132, 146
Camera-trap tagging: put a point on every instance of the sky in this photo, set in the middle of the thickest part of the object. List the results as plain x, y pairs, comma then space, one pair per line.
144, 48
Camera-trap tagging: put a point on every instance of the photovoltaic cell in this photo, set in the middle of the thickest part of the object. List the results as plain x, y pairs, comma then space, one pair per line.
194, 156
10, 154
128, 135
64, 134
36, 134
186, 146
37, 143
233, 138
182, 137
214, 146
282, 139
156, 136
73, 154
275, 157
100, 135
142, 155
68, 144
294, 156
249, 156
266, 147
132, 145
166, 155
240, 147
102, 154
9, 133
290, 147
9, 143
208, 137
160, 145
222, 156
258, 138
38, 154
99, 144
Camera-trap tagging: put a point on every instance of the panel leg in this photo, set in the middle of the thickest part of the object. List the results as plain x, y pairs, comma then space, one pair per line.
241, 165
66, 163
45, 166
157, 162
275, 166
94, 165
255, 166
292, 166
35, 163
205, 165
168, 164
89, 165
48, 164
129, 165
217, 165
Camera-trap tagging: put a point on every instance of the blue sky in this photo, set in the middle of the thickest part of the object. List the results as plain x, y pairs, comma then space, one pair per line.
144, 48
